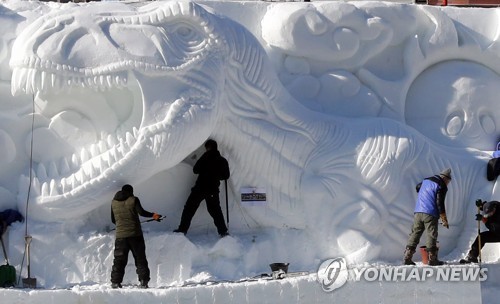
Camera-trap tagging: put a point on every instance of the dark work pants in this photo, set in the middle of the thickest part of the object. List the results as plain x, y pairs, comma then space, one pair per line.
493, 169
122, 247
486, 237
213, 207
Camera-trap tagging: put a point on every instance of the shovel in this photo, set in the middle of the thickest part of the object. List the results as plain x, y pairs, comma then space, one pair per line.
28, 282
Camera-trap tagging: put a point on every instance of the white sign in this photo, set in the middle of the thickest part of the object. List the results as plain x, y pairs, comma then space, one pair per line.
253, 196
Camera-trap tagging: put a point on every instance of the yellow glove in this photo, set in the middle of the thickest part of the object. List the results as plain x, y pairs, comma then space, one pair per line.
444, 220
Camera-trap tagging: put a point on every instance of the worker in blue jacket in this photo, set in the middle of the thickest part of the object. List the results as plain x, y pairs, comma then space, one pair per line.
429, 208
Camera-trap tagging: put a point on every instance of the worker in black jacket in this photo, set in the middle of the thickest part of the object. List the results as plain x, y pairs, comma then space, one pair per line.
125, 211
211, 169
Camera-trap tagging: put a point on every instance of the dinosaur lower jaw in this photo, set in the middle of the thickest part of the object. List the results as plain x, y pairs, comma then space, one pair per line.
134, 150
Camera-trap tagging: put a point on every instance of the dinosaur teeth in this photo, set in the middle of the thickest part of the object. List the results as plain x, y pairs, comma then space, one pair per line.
109, 81
96, 166
17, 80
161, 14
79, 177
55, 178
102, 147
118, 82
64, 185
84, 155
113, 153
87, 171
130, 139
35, 184
123, 149
153, 18
64, 175
31, 80
94, 150
175, 9
111, 140
107, 160
43, 81
71, 182
75, 164
45, 189
53, 188
53, 81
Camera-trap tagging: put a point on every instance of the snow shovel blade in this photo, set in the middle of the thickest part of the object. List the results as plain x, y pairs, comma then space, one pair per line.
29, 283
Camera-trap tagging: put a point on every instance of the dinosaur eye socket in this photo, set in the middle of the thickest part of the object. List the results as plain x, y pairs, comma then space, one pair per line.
170, 44
184, 31
183, 41
187, 33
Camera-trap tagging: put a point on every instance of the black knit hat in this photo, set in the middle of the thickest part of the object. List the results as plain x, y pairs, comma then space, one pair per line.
211, 144
128, 189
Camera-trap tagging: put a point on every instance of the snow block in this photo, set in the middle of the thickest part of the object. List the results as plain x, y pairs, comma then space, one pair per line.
490, 252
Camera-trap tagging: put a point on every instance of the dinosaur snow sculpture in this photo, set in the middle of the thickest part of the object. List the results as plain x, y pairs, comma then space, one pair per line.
166, 76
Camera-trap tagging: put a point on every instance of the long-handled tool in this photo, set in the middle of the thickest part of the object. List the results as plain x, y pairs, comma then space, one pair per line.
146, 221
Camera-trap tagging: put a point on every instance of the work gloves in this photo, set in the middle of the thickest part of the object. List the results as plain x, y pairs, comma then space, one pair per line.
480, 217
157, 217
479, 204
444, 220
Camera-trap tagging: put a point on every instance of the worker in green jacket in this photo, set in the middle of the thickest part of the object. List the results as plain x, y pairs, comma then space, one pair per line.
125, 211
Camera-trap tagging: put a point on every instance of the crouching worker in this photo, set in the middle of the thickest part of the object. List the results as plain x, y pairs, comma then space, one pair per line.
125, 211
491, 219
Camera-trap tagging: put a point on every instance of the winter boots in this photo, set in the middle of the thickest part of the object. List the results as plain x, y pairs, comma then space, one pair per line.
408, 255
470, 258
433, 257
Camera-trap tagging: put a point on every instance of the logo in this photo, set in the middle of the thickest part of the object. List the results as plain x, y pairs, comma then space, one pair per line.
332, 274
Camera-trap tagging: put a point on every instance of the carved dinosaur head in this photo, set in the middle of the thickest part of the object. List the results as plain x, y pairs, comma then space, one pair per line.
117, 90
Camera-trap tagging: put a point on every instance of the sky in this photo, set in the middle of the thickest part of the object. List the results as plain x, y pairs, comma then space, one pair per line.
333, 110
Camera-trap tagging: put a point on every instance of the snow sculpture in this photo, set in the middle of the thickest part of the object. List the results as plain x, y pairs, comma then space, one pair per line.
124, 92
357, 60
